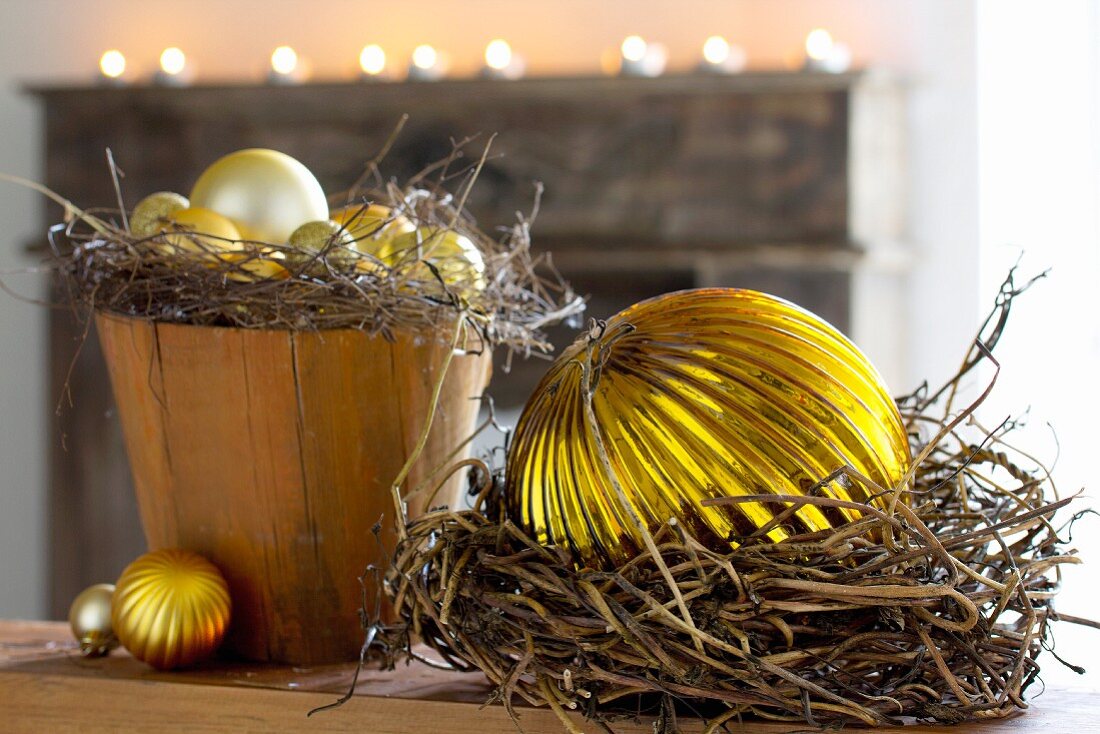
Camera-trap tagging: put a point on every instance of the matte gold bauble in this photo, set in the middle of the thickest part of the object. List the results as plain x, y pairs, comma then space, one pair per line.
199, 230
152, 214
90, 620
266, 193
372, 226
453, 255
171, 608
695, 395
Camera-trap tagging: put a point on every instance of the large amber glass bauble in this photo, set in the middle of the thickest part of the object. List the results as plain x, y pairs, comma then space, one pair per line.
171, 608
699, 394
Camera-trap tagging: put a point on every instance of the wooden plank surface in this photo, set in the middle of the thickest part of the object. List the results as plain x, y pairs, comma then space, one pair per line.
46, 686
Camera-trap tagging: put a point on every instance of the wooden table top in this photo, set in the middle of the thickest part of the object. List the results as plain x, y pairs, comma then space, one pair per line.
45, 685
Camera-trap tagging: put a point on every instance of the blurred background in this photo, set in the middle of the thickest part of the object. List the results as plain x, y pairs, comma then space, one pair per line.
887, 180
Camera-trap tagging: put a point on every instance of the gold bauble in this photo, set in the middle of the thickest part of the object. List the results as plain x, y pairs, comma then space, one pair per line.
152, 214
457, 259
266, 193
695, 395
255, 263
90, 620
371, 226
171, 608
199, 230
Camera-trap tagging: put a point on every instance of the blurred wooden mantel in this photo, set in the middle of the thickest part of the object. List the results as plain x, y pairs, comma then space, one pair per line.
46, 686
791, 183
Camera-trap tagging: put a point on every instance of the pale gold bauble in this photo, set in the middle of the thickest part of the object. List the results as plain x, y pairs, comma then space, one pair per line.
200, 230
90, 620
266, 193
171, 608
453, 255
152, 214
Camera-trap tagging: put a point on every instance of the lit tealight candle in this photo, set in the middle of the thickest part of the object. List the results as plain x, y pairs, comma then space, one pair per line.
500, 62
174, 69
285, 66
372, 61
722, 57
426, 65
640, 58
112, 65
825, 54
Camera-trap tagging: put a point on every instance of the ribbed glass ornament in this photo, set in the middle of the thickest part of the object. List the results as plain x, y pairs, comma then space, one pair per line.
695, 395
171, 608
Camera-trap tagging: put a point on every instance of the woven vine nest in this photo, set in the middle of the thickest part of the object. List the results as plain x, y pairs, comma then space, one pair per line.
518, 294
933, 609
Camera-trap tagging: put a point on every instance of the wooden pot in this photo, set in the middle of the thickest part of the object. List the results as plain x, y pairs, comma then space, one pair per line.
272, 453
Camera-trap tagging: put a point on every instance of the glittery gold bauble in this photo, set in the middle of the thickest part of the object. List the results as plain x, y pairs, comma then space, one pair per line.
266, 193
171, 608
199, 230
325, 236
90, 620
371, 226
694, 395
453, 255
151, 215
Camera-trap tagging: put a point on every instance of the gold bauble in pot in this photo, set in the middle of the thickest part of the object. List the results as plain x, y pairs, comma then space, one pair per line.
266, 193
171, 608
696, 395
371, 225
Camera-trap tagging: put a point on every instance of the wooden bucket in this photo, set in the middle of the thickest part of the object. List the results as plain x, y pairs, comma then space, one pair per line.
272, 454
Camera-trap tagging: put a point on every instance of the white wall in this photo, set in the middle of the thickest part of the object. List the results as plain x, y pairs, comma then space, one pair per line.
931, 41
1039, 153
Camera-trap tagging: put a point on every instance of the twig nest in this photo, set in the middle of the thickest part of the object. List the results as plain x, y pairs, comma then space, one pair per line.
152, 214
256, 247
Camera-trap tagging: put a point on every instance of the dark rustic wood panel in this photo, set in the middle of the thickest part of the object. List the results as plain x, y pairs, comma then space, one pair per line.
681, 160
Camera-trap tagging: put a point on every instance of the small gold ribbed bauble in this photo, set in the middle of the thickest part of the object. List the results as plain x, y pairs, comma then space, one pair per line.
90, 620
152, 213
696, 395
171, 608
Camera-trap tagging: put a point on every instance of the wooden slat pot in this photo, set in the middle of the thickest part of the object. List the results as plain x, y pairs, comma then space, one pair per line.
272, 453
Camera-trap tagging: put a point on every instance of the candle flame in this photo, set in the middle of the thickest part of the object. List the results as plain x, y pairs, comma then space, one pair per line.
424, 57
112, 63
172, 61
372, 60
716, 50
284, 60
633, 48
819, 44
498, 54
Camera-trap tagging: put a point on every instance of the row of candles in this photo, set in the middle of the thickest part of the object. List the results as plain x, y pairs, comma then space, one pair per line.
635, 57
